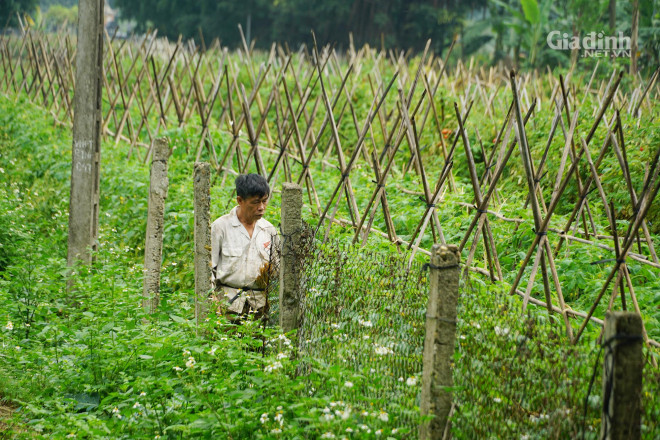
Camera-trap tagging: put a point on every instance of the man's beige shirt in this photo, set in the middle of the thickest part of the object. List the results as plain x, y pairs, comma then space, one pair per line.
236, 258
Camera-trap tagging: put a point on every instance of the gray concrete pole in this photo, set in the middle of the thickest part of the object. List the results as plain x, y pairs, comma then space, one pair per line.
153, 247
86, 151
202, 189
290, 261
440, 339
622, 377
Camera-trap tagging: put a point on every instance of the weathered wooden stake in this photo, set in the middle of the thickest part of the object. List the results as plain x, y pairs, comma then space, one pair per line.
622, 377
440, 339
202, 188
86, 151
153, 248
289, 262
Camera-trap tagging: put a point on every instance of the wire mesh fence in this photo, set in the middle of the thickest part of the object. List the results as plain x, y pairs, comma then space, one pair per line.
515, 375
365, 311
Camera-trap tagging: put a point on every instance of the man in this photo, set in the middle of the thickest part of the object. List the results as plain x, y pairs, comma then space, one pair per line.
241, 246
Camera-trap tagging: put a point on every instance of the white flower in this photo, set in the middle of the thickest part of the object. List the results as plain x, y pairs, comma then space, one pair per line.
400, 379
191, 362
328, 435
394, 431
365, 337
372, 370
279, 418
186, 352
499, 331
18, 348
462, 336
334, 325
177, 368
142, 394
497, 400
115, 411
381, 350
349, 430
212, 351
71, 435
365, 428
279, 408
344, 414
379, 432
264, 418
272, 367
281, 355
411, 381
136, 405
285, 340
157, 437
366, 323
348, 384
327, 414
524, 437
275, 431
383, 416
9, 325
364, 414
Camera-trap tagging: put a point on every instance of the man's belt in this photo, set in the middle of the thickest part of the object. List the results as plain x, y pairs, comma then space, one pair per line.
240, 291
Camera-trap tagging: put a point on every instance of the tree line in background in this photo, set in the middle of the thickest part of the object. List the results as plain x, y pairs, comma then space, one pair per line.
389, 23
511, 30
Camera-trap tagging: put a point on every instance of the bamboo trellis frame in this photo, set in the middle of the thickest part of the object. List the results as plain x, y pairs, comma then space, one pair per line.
291, 116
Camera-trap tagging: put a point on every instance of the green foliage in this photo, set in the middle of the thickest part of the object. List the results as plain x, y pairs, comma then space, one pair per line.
9, 9
531, 10
86, 356
394, 23
58, 16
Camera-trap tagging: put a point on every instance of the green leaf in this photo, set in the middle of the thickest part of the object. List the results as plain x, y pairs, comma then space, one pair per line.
178, 319
531, 10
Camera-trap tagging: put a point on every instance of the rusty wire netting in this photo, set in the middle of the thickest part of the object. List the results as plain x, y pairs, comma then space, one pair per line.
363, 312
366, 310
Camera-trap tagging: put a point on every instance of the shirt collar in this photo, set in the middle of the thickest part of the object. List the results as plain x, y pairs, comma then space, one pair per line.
236, 222
234, 217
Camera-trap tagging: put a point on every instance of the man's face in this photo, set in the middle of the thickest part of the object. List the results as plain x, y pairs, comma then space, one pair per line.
252, 208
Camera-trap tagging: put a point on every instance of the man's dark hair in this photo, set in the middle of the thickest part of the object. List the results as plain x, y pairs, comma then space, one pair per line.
250, 185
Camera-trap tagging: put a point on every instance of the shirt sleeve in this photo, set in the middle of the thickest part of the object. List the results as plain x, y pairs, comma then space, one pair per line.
216, 249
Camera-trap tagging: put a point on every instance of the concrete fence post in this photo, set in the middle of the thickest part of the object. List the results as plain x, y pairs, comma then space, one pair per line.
622, 377
440, 340
289, 263
153, 248
86, 148
202, 190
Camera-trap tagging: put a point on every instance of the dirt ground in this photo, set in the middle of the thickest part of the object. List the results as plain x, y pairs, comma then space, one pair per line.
6, 411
